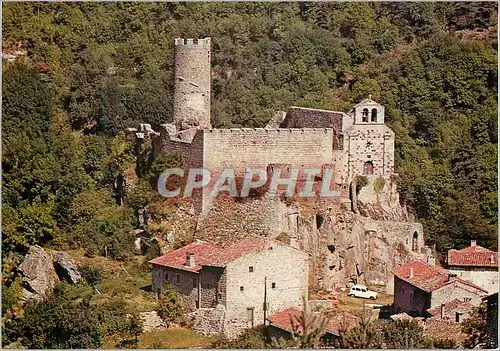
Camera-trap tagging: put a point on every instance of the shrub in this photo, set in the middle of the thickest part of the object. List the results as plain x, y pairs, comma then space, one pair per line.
361, 181
378, 185
254, 338
171, 306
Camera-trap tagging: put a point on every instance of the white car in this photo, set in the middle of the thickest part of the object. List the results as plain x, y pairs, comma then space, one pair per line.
359, 290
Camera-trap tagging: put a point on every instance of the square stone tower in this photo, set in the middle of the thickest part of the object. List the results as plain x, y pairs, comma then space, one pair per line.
369, 142
192, 84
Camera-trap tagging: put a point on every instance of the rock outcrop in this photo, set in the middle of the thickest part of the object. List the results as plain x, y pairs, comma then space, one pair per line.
151, 321
66, 268
39, 277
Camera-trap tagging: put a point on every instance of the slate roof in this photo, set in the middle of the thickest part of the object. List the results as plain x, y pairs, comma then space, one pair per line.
342, 320
428, 277
451, 308
209, 254
473, 256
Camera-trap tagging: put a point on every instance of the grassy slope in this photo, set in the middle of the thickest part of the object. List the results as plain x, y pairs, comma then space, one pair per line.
129, 281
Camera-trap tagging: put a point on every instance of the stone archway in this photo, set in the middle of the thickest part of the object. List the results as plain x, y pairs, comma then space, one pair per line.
368, 168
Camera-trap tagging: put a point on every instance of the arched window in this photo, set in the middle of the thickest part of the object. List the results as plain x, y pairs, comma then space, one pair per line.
374, 115
364, 114
368, 168
414, 242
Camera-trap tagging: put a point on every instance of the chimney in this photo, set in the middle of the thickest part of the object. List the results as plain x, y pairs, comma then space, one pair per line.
411, 273
190, 260
473, 243
492, 259
442, 311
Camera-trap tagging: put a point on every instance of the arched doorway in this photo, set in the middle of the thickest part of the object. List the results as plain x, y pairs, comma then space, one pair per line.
368, 168
414, 242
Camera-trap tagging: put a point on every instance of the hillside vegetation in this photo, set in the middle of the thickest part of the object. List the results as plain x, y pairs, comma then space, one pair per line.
93, 69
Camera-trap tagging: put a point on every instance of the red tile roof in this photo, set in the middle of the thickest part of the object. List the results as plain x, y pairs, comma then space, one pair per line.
239, 249
209, 254
428, 277
473, 256
444, 329
451, 308
203, 253
340, 321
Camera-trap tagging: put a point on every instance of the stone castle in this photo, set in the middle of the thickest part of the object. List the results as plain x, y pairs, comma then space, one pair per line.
361, 235
354, 143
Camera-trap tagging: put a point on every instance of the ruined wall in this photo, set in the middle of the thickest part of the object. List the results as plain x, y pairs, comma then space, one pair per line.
282, 265
192, 83
301, 117
210, 290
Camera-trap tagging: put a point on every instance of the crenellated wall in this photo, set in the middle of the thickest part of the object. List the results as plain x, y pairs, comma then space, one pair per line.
257, 148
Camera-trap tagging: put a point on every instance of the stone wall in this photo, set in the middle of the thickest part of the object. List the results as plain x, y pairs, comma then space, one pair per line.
370, 143
301, 117
486, 278
454, 291
211, 291
246, 147
409, 299
286, 272
185, 282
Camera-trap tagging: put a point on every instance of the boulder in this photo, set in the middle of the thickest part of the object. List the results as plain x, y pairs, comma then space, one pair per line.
66, 268
38, 272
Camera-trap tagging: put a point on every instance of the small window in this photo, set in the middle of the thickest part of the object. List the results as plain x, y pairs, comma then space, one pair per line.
166, 276
195, 283
178, 278
273, 285
250, 269
241, 288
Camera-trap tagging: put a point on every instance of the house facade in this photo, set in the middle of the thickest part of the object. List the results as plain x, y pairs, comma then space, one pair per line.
475, 264
242, 283
419, 286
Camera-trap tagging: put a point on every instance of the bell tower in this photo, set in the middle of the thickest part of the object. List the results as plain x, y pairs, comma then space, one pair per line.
192, 86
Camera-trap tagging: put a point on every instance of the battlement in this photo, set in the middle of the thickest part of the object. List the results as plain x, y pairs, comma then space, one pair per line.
270, 130
192, 42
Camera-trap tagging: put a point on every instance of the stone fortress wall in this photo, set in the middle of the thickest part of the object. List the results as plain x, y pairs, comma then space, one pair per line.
257, 148
353, 143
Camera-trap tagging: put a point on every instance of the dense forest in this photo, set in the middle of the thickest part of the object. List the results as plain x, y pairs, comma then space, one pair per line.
93, 69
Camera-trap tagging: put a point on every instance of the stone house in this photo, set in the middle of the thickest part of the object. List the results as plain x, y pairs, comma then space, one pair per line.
456, 310
419, 286
284, 323
475, 264
492, 319
238, 285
